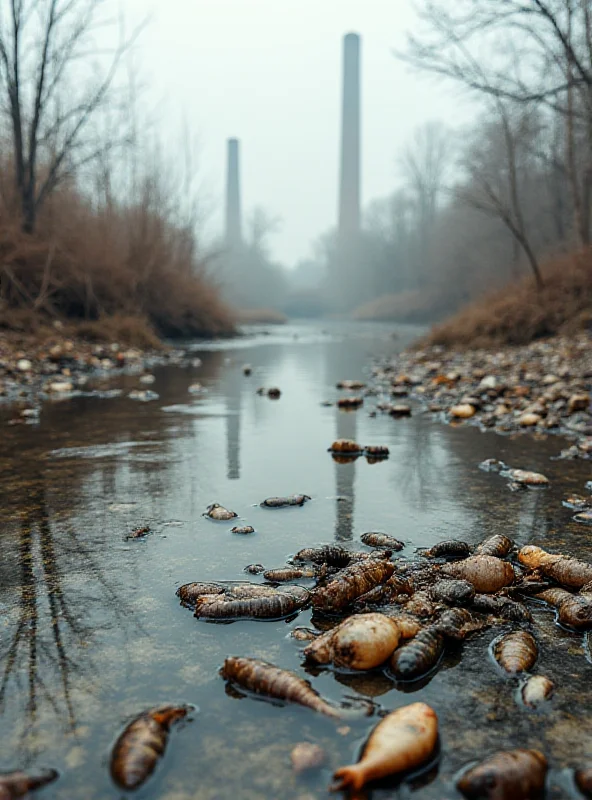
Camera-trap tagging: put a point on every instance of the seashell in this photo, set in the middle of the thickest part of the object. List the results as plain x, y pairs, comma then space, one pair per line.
516, 652
497, 545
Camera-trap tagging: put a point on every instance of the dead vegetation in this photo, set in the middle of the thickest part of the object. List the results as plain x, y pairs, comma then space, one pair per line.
408, 306
520, 313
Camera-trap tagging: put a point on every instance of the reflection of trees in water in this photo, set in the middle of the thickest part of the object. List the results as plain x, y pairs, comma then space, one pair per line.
47, 656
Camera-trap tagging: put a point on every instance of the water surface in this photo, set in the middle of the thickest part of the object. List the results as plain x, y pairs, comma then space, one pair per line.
91, 632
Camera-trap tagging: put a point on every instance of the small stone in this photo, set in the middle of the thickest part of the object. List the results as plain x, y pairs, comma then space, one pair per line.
529, 420
346, 447
245, 529
525, 477
351, 385
195, 388
578, 402
584, 516
488, 382
306, 757
216, 511
274, 393
400, 411
549, 380
247, 369
147, 379
143, 396
60, 387
24, 365
462, 411
254, 569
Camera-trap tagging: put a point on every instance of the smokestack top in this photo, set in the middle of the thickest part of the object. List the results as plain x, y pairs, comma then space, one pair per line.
351, 37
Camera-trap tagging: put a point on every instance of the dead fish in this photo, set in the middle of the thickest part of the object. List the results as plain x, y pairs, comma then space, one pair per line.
142, 744
525, 477
282, 602
189, 592
350, 583
350, 402
486, 573
332, 555
306, 757
569, 572
403, 740
288, 574
254, 569
363, 641
583, 779
244, 529
263, 678
536, 690
450, 549
376, 451
282, 502
19, 784
304, 634
497, 545
573, 610
516, 652
373, 539
507, 775
419, 656
501, 607
452, 592
346, 447
216, 511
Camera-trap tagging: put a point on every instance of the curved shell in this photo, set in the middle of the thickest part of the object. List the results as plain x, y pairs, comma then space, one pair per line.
352, 582
263, 678
516, 652
403, 740
452, 592
486, 573
449, 549
288, 574
497, 545
278, 603
374, 539
142, 744
508, 775
419, 656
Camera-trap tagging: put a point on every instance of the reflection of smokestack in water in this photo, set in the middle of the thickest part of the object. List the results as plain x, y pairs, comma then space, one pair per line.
349, 190
233, 389
233, 207
344, 480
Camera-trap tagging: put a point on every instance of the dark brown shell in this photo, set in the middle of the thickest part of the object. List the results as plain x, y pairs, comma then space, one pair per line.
496, 545
263, 678
189, 592
508, 775
420, 605
418, 656
501, 607
350, 583
278, 603
454, 623
450, 549
332, 555
583, 779
19, 784
142, 744
516, 652
283, 502
375, 539
452, 592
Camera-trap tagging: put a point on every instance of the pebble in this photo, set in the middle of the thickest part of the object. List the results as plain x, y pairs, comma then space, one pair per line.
463, 411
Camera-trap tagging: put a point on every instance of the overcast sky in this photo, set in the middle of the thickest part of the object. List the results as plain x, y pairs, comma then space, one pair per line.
269, 73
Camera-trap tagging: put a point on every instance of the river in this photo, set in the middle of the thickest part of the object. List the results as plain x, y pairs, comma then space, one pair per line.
91, 632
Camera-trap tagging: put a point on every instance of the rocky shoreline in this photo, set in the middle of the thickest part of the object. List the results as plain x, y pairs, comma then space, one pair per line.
544, 387
33, 369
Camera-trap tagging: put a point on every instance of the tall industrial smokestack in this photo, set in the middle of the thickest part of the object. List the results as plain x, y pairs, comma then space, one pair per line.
233, 207
349, 190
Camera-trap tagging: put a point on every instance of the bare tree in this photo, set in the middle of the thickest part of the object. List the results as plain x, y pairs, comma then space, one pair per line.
525, 51
494, 163
55, 77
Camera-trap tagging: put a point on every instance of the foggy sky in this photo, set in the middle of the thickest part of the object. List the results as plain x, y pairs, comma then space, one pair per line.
269, 73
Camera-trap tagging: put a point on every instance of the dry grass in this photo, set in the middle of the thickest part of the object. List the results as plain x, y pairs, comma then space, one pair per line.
261, 316
409, 306
94, 264
518, 313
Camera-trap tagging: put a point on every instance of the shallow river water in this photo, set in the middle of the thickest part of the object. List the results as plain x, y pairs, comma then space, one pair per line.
91, 632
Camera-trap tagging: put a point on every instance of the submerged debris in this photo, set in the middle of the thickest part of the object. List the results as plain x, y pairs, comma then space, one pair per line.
346, 447
282, 502
142, 744
216, 511
525, 477
243, 529
375, 539
403, 740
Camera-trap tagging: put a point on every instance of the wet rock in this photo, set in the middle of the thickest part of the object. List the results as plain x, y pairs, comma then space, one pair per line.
247, 369
528, 420
244, 529
376, 451
304, 634
147, 379
306, 757
216, 511
60, 387
254, 569
400, 410
584, 517
195, 388
24, 365
347, 384
525, 477
346, 447
143, 396
283, 502
578, 402
492, 465
274, 393
350, 402
536, 691
463, 411
139, 533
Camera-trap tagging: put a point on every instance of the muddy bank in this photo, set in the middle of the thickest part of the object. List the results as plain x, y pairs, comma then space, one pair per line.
540, 388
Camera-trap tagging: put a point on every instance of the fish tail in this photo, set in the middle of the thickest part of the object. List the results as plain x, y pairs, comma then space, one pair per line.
350, 778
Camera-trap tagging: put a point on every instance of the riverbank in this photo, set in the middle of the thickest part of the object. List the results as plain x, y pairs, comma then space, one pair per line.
543, 387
